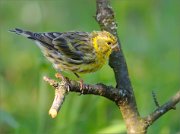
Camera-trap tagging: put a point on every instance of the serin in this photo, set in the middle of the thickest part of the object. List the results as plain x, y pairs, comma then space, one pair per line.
78, 52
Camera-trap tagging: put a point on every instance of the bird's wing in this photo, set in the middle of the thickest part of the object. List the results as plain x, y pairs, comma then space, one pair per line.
74, 45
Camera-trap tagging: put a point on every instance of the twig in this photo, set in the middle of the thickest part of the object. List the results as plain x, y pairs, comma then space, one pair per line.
61, 89
155, 99
60, 93
161, 110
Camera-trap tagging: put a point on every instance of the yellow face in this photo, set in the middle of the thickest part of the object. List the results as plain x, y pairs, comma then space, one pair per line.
104, 42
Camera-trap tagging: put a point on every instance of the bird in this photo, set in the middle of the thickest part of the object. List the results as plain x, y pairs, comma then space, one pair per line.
74, 51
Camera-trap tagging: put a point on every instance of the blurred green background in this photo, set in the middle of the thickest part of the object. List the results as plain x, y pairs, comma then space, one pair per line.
150, 36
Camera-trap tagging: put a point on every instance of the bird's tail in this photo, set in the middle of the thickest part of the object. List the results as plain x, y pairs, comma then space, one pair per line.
27, 34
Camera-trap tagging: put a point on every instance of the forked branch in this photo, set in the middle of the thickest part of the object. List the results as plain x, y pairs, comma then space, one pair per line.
161, 110
123, 94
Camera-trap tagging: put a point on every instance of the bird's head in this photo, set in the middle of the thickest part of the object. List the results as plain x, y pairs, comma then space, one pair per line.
104, 41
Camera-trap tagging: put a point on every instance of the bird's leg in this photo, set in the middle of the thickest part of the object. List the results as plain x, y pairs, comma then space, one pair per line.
60, 76
77, 75
81, 82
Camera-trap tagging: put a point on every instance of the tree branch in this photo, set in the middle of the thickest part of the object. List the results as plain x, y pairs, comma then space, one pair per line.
108, 92
123, 94
66, 85
161, 110
105, 18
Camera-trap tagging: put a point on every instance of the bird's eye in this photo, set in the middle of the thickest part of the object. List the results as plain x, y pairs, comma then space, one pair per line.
109, 43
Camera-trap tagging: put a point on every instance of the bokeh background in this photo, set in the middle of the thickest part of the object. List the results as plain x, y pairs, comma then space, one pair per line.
150, 36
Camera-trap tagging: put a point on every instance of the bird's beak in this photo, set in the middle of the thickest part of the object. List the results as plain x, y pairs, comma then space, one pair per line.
115, 47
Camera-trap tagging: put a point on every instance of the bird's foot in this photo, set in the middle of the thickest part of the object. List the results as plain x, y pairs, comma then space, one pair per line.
60, 76
64, 79
81, 83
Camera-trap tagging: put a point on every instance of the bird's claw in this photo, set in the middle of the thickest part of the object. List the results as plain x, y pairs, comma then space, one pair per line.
65, 81
81, 84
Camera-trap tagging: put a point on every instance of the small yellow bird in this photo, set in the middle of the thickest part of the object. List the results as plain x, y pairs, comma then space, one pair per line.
78, 52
